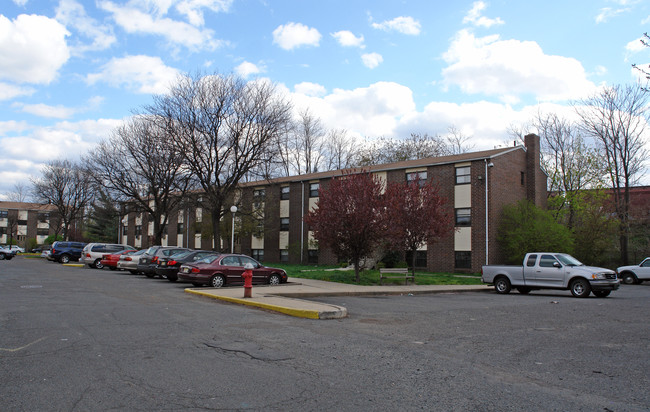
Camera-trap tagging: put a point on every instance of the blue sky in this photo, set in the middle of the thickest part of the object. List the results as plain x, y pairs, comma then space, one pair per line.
73, 70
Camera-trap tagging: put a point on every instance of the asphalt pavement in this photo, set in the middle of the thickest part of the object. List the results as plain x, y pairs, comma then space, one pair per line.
289, 299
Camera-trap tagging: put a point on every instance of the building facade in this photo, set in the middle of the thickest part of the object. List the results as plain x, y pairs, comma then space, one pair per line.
269, 224
21, 221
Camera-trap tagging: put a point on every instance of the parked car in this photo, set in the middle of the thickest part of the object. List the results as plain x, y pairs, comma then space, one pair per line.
110, 260
15, 248
168, 266
129, 261
42, 248
149, 259
93, 252
635, 273
221, 270
64, 252
551, 271
6, 254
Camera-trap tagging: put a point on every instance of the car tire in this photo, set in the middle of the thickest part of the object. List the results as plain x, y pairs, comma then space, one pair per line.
629, 279
64, 259
274, 280
150, 275
133, 271
502, 285
580, 288
3, 257
601, 293
97, 264
112, 268
172, 278
523, 290
217, 281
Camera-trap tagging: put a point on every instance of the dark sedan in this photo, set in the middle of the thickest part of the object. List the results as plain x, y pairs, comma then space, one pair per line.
168, 266
220, 270
149, 259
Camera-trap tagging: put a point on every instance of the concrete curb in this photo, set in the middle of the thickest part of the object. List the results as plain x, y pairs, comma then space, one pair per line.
289, 306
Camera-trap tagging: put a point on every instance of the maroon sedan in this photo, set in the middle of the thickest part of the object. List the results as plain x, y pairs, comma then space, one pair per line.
220, 270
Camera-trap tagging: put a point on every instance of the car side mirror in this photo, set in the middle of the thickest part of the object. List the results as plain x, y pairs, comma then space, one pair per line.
557, 265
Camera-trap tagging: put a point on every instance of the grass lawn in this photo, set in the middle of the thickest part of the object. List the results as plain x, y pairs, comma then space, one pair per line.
371, 277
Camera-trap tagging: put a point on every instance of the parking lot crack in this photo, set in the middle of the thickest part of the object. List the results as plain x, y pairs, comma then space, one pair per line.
239, 352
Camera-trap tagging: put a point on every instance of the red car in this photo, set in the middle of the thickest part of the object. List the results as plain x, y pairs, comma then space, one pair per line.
220, 270
110, 260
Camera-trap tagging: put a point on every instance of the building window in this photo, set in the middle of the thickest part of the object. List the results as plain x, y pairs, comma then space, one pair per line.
43, 217
284, 194
463, 260
420, 177
138, 230
42, 231
258, 197
180, 228
463, 175
125, 230
523, 178
313, 189
259, 229
22, 223
284, 256
284, 224
312, 256
420, 258
258, 254
464, 217
4, 214
3, 230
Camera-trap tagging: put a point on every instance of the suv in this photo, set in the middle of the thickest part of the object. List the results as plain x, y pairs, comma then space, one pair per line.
149, 259
6, 254
93, 252
64, 252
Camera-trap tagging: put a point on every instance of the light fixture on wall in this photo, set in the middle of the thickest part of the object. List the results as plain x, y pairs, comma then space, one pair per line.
233, 210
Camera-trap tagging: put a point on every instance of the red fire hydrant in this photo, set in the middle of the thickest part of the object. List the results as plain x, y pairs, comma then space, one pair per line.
248, 280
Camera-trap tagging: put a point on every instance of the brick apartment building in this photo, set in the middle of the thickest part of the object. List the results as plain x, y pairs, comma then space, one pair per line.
476, 185
22, 221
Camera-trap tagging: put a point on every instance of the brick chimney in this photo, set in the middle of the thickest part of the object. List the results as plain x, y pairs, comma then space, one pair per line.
535, 178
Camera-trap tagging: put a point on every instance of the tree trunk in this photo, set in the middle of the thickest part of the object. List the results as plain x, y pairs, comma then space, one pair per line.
216, 230
356, 270
413, 252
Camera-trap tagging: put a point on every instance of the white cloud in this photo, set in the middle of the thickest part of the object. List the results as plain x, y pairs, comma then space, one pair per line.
136, 17
44, 110
635, 45
33, 49
402, 24
310, 89
294, 35
246, 69
371, 60
140, 74
607, 13
474, 16
9, 91
72, 14
510, 68
20, 2
348, 39
192, 9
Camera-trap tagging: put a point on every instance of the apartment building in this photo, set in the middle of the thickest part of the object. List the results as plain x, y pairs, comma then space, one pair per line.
22, 221
269, 224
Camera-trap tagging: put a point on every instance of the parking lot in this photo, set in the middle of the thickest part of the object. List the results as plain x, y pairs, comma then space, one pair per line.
79, 339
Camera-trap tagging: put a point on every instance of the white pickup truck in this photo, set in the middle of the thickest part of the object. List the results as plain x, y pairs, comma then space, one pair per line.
543, 270
636, 273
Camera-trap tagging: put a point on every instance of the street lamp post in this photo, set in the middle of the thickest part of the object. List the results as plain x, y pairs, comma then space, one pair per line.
233, 210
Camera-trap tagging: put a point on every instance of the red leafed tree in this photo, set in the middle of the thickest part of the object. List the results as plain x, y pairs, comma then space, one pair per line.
417, 215
349, 217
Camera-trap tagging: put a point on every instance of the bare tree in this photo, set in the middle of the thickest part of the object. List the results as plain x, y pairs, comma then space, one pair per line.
342, 151
20, 193
137, 164
68, 186
645, 40
457, 142
224, 128
417, 146
301, 149
617, 117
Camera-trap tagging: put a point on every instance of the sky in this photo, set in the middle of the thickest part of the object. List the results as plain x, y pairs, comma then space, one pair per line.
71, 71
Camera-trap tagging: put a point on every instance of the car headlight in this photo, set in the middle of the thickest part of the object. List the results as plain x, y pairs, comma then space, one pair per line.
599, 276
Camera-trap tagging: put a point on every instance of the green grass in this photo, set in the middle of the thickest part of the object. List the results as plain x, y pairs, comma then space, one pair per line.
371, 277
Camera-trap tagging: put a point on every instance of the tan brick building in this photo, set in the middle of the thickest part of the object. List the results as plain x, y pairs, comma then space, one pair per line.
22, 221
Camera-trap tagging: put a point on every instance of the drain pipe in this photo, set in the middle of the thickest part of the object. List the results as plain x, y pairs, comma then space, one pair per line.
487, 214
302, 220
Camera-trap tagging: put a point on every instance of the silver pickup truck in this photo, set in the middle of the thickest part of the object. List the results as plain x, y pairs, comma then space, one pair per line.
543, 270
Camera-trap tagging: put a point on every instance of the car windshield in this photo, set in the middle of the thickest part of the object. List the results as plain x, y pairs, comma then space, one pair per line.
569, 260
181, 255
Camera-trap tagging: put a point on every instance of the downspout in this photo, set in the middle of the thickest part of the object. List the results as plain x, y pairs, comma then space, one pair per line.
302, 220
487, 239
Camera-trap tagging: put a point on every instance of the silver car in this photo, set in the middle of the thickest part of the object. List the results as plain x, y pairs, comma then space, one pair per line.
129, 261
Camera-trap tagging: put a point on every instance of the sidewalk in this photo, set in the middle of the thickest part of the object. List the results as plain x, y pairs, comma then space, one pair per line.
285, 298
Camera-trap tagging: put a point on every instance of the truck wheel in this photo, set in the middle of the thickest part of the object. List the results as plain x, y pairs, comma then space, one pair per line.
502, 285
629, 279
601, 293
2, 256
580, 288
523, 290
64, 259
